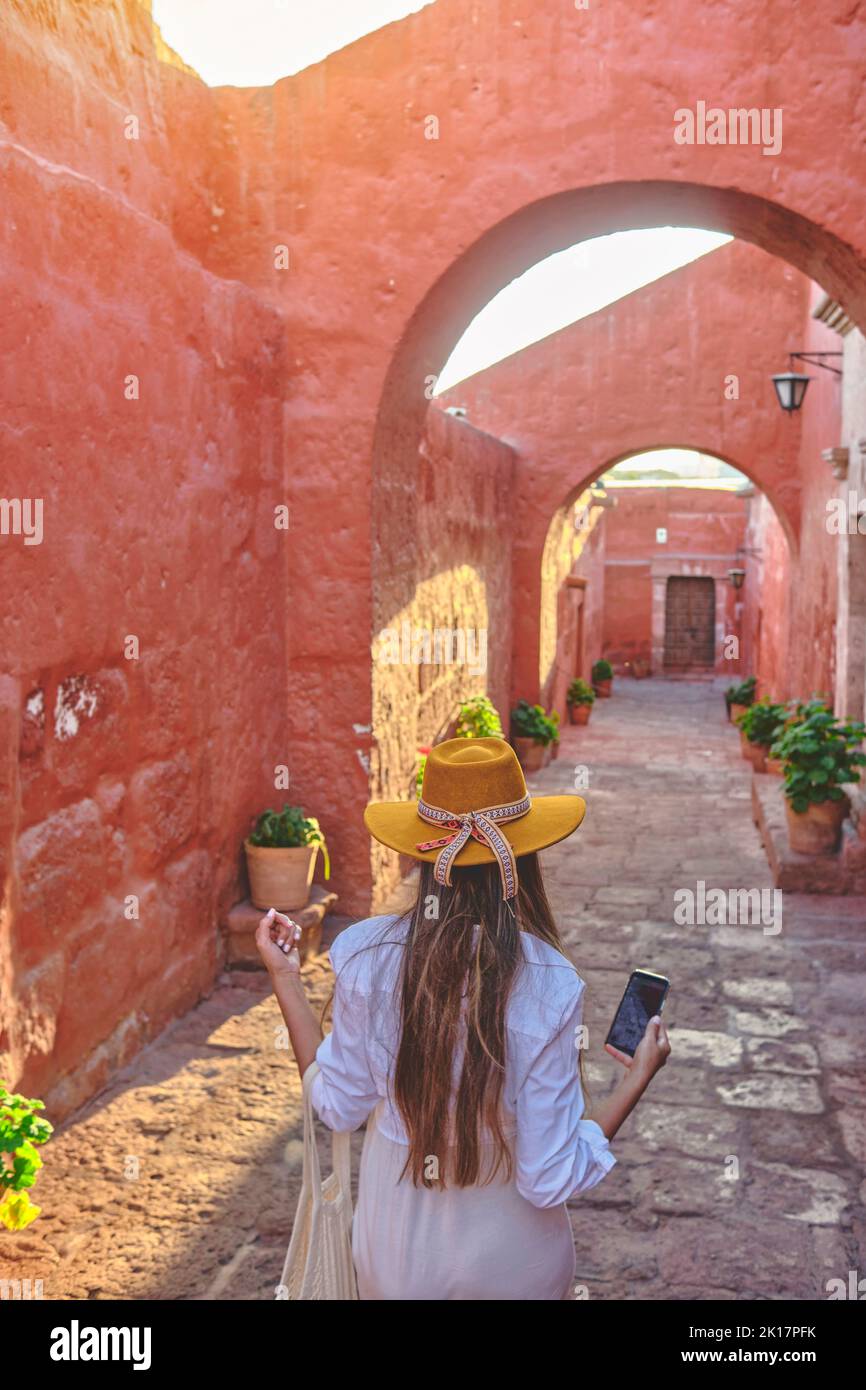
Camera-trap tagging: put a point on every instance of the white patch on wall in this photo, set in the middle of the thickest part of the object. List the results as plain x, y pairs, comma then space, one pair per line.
77, 699
35, 706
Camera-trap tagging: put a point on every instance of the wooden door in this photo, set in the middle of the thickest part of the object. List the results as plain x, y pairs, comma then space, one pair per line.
690, 623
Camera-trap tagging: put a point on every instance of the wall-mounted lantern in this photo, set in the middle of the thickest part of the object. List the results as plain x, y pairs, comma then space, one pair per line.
791, 386
736, 578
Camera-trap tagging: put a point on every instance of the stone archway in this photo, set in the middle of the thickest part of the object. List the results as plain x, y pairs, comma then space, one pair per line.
504, 251
660, 394
554, 581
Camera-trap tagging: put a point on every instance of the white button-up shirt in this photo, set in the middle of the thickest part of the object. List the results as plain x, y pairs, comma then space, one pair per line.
558, 1153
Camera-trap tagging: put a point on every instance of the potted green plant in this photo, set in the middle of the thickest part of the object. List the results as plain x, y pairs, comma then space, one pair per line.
739, 697
795, 712
533, 731
820, 756
760, 725
281, 856
602, 678
478, 718
580, 700
21, 1129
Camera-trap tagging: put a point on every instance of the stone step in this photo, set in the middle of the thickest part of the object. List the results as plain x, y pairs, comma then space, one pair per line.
241, 921
842, 872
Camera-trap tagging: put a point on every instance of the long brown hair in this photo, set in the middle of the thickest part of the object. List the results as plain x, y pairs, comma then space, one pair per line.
450, 969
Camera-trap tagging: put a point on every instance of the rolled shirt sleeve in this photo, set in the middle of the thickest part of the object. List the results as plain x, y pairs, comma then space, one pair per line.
344, 1091
559, 1153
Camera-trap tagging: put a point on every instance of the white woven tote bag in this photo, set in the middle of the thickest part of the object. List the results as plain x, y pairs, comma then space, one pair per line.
319, 1258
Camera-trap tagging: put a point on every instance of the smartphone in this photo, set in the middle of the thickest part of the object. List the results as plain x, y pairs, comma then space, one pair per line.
644, 998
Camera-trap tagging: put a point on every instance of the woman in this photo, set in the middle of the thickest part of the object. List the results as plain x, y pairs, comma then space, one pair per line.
457, 1034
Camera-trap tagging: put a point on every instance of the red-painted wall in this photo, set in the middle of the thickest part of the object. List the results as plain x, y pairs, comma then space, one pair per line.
142, 695
285, 271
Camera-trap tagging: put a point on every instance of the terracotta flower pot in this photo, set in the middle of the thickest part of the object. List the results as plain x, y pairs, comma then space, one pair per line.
579, 714
736, 711
775, 766
754, 753
554, 750
280, 878
816, 831
603, 688
531, 754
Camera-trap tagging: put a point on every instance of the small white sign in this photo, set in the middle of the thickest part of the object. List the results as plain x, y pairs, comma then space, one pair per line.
661, 534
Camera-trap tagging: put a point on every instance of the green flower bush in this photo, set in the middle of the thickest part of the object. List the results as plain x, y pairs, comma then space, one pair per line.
820, 755
742, 694
763, 722
580, 693
478, 718
21, 1129
530, 721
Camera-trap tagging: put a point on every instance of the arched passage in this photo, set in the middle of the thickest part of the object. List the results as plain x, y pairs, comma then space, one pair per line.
582, 615
506, 250
538, 576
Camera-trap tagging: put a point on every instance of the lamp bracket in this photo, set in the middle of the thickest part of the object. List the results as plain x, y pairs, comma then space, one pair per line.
814, 360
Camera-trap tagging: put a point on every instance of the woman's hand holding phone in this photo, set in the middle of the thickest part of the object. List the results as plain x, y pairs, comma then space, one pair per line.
650, 1055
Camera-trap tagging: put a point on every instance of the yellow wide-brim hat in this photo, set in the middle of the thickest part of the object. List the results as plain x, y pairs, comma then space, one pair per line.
466, 775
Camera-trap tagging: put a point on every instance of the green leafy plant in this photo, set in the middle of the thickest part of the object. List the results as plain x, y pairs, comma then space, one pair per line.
478, 718
798, 710
289, 829
602, 671
763, 722
742, 694
530, 721
580, 693
820, 754
21, 1129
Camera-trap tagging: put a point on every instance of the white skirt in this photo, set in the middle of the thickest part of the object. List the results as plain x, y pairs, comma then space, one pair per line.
467, 1243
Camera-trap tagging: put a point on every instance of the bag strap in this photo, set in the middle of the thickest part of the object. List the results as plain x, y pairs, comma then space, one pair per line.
341, 1144
312, 1174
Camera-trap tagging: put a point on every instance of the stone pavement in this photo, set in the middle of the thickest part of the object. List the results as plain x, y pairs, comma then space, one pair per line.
741, 1175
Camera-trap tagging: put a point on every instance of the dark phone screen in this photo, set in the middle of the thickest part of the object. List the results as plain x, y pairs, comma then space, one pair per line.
642, 1000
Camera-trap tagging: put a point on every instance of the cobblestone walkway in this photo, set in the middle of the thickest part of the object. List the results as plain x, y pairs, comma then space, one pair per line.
740, 1175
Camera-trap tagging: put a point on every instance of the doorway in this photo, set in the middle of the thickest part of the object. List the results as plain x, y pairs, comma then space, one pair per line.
690, 619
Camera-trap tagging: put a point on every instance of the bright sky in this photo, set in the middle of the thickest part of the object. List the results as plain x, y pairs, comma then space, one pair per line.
690, 467
566, 287
252, 43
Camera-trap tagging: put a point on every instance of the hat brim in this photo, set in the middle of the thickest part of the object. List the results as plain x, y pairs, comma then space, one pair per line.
550, 819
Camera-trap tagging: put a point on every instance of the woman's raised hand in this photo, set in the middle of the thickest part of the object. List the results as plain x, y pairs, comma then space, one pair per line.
277, 938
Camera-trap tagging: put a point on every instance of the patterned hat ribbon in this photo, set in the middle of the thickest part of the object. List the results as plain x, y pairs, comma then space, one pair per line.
482, 826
